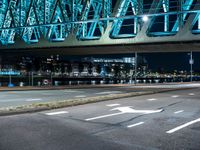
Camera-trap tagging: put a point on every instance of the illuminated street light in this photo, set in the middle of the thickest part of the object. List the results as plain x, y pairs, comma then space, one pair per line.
191, 62
145, 18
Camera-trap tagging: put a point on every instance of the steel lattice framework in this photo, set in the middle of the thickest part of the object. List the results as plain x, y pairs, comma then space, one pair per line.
54, 19
94, 21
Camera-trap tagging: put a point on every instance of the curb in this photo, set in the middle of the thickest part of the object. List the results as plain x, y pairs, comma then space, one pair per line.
37, 107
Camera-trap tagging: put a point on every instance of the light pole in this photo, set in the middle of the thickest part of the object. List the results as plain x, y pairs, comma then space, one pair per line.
32, 79
10, 78
29, 78
135, 68
191, 62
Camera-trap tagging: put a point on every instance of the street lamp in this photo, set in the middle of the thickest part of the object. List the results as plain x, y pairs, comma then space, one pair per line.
145, 18
10, 78
191, 62
136, 55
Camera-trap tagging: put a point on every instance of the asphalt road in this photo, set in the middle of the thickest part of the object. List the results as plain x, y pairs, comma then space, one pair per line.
18, 98
167, 121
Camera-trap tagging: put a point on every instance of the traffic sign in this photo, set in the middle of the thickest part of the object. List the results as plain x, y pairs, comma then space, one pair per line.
191, 61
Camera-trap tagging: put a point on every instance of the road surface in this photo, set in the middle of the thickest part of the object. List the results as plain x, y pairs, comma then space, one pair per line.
167, 121
18, 98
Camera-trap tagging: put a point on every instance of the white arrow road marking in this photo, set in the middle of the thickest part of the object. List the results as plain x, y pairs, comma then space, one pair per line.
180, 111
104, 116
124, 110
136, 124
175, 96
152, 99
183, 126
56, 113
128, 109
112, 105
33, 99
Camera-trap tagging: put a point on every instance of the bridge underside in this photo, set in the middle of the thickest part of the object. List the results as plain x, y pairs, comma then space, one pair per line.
109, 49
99, 26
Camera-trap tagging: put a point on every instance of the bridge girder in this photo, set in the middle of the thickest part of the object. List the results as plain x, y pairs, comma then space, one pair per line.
71, 23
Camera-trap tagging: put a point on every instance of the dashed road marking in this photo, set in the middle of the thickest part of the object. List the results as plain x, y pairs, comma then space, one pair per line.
10, 100
80, 96
180, 111
11, 92
136, 124
33, 99
57, 113
48, 94
152, 99
183, 126
113, 105
191, 94
108, 92
71, 91
175, 96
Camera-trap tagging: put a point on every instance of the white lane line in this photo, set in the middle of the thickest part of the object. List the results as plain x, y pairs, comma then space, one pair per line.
183, 126
33, 99
56, 113
136, 124
48, 94
103, 93
175, 96
10, 100
113, 105
80, 96
152, 99
104, 116
108, 92
71, 91
191, 94
180, 111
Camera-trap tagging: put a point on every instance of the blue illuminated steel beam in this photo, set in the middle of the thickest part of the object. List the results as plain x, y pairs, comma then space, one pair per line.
183, 6
166, 17
30, 35
195, 19
122, 11
163, 28
55, 20
58, 15
8, 20
94, 9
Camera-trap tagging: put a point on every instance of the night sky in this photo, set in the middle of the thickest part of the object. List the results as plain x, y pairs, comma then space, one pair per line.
172, 61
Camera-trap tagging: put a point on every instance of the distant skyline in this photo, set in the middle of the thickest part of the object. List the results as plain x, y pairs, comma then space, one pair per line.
156, 61
167, 61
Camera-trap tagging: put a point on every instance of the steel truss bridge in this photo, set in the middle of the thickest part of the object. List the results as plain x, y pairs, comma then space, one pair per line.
100, 25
